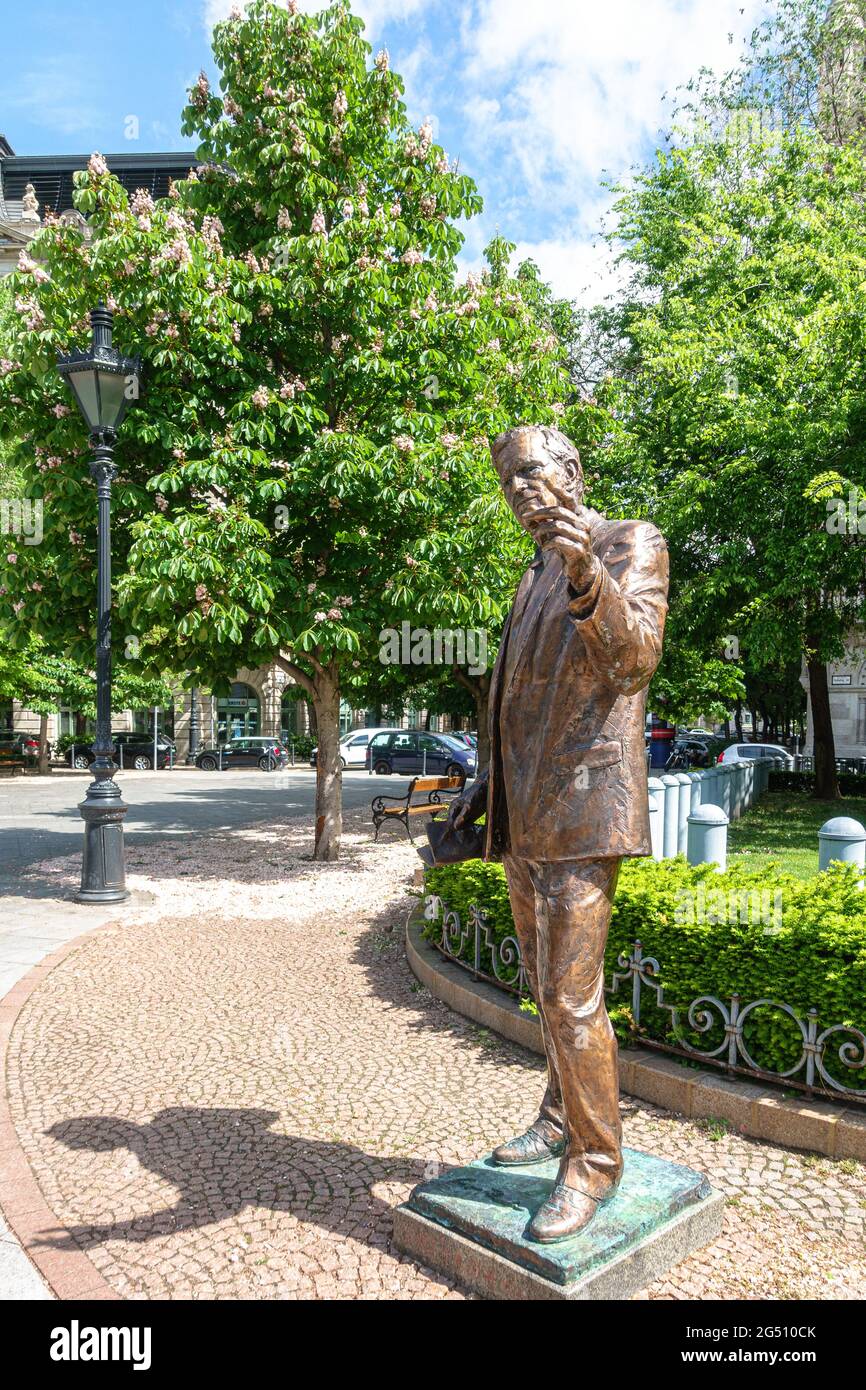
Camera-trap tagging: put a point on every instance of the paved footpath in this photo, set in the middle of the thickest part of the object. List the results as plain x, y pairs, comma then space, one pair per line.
226, 1094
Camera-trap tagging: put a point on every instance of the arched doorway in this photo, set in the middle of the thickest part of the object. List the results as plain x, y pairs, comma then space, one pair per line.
238, 714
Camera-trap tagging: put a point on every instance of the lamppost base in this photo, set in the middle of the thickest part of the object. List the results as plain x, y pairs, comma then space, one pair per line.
103, 872
106, 895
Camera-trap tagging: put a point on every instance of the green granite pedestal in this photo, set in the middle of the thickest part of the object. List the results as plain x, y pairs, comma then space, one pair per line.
471, 1224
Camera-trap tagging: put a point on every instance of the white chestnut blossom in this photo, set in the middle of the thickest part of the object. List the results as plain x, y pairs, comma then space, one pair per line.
27, 266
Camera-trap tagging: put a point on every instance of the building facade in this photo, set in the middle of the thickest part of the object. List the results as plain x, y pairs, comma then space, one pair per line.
846, 679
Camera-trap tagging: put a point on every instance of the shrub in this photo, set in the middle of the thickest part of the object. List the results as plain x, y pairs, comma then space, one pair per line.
850, 783
303, 744
811, 953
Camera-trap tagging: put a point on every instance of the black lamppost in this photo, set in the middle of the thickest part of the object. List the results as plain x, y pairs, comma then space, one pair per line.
193, 725
103, 383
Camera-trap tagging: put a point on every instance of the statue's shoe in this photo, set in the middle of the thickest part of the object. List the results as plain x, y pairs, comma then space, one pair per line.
538, 1143
565, 1212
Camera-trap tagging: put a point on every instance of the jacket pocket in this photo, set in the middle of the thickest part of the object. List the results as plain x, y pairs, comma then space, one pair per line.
597, 754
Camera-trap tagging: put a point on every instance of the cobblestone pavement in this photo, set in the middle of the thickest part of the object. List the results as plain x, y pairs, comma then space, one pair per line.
227, 1097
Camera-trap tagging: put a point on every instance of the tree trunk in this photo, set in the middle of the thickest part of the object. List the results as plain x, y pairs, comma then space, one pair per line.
826, 780
738, 721
44, 766
312, 716
479, 688
482, 706
329, 774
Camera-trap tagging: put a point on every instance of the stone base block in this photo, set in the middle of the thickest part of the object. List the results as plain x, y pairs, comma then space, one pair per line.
471, 1224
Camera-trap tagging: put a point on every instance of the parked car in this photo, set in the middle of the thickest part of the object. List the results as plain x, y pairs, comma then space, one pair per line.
464, 736
19, 747
353, 748
412, 751
130, 750
262, 751
748, 752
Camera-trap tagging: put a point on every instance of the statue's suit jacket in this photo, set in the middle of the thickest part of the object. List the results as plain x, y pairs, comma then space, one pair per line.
567, 776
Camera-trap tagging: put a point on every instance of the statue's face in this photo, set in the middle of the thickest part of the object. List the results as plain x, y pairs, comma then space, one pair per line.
532, 479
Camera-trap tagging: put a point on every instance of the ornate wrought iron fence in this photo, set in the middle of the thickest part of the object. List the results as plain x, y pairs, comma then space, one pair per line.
508, 972
731, 1054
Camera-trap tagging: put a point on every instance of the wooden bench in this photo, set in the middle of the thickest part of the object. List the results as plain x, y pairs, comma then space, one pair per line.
11, 765
439, 792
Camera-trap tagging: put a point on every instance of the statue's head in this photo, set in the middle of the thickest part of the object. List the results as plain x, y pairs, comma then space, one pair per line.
538, 467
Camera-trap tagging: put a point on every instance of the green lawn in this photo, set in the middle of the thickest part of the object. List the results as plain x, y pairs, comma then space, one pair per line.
784, 827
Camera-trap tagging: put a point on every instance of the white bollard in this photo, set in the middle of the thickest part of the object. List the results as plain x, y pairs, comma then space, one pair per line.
841, 839
671, 817
684, 806
698, 781
723, 788
708, 837
740, 799
656, 816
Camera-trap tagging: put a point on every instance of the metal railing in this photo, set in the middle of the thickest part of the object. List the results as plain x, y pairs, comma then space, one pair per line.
731, 1054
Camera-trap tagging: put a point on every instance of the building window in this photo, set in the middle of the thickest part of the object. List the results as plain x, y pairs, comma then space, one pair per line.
861, 720
142, 721
291, 715
6, 720
69, 721
238, 714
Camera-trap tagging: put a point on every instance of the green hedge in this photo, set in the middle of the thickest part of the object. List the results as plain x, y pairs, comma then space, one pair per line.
850, 783
802, 944
304, 745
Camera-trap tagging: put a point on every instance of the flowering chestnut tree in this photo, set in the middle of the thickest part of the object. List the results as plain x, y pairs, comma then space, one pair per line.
308, 462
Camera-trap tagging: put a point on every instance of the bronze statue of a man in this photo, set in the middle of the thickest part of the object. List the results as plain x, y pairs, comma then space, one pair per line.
566, 793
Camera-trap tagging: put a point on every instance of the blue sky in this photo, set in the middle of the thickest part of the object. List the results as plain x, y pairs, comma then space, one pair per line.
538, 98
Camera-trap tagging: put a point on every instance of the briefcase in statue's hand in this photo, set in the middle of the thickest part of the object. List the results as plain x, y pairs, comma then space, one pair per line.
448, 845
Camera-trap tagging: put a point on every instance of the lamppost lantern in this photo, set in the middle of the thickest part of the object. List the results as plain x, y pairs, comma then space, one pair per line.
102, 380
104, 384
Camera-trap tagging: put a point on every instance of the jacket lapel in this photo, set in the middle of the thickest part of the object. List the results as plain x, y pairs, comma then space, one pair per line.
545, 583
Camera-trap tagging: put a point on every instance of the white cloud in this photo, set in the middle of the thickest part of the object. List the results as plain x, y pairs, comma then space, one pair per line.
581, 84
575, 268
562, 93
